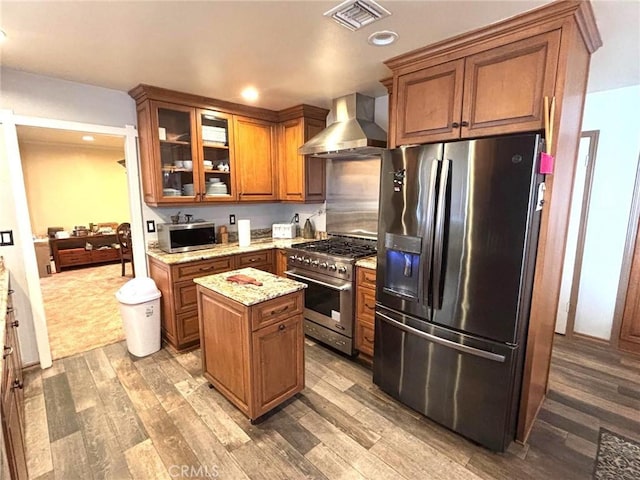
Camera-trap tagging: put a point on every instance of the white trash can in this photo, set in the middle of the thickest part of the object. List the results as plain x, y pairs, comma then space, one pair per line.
140, 309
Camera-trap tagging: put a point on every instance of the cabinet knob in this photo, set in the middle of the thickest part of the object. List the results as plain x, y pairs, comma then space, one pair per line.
17, 384
15, 324
7, 351
455, 125
465, 124
281, 327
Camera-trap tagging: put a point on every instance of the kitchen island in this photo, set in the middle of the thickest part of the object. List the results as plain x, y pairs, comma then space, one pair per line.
252, 338
174, 274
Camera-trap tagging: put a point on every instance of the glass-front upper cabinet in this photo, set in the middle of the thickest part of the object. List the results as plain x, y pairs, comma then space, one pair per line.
178, 164
218, 166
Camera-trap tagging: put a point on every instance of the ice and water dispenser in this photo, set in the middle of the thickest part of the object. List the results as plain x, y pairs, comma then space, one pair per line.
402, 265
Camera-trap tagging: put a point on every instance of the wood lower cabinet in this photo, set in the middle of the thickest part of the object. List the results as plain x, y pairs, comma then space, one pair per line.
179, 312
497, 91
365, 310
281, 261
253, 355
12, 399
255, 152
179, 315
302, 178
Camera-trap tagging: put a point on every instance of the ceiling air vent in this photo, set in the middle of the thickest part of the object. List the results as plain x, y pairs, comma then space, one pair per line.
355, 14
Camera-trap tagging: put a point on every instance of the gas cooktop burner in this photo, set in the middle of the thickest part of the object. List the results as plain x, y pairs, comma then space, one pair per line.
342, 247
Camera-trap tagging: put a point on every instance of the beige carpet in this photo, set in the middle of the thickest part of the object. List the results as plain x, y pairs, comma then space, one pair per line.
81, 308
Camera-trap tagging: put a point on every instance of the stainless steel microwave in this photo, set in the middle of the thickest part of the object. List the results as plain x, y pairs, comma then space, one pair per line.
185, 237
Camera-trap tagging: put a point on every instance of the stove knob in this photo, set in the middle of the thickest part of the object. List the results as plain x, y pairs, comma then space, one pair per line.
292, 258
324, 265
307, 261
315, 263
298, 259
333, 267
342, 270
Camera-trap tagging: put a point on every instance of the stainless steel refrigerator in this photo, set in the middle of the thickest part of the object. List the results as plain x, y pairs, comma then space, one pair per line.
457, 235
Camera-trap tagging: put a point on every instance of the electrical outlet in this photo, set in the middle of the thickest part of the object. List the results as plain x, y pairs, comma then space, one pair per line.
232, 219
151, 226
296, 218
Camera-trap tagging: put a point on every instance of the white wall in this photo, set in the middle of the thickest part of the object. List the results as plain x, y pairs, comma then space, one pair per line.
46, 97
261, 215
13, 260
38, 96
615, 114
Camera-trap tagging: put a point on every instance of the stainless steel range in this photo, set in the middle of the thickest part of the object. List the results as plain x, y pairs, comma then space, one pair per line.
327, 267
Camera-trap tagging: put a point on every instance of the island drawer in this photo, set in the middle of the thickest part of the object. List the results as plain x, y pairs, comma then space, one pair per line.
272, 311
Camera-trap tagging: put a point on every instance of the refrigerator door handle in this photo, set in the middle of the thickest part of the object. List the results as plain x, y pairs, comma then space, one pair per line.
443, 341
427, 244
439, 236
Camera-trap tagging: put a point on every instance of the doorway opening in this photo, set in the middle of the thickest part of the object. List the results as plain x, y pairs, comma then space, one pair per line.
566, 322
76, 188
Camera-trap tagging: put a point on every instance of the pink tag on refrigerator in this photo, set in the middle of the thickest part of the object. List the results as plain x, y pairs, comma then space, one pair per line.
546, 163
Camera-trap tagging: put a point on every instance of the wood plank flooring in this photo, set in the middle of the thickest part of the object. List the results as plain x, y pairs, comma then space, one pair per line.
106, 414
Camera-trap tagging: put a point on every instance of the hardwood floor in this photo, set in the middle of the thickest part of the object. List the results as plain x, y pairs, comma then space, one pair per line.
106, 414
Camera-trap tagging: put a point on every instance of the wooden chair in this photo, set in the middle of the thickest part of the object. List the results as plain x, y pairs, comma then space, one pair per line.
123, 234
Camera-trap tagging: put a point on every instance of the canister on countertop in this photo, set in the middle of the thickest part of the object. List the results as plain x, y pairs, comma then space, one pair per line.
224, 234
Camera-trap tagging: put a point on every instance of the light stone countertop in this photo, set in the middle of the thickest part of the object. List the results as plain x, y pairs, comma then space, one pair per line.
272, 286
222, 250
368, 262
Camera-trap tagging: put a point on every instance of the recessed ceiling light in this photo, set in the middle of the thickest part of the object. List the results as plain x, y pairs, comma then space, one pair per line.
250, 94
3, 36
88, 138
382, 38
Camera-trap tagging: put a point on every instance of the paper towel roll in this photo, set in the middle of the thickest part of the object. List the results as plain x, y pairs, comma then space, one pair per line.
244, 233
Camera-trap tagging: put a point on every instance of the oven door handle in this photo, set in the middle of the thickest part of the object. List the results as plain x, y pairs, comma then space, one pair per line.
313, 280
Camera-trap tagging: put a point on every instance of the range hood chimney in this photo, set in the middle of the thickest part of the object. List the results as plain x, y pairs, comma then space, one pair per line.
354, 133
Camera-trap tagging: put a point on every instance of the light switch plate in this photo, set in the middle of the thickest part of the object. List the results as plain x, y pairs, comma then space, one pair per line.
232, 219
6, 238
151, 226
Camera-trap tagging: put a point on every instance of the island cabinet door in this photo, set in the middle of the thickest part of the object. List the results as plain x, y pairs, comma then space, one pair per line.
224, 338
278, 363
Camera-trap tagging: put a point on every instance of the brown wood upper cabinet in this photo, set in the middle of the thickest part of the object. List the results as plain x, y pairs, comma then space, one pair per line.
232, 145
497, 91
255, 148
302, 179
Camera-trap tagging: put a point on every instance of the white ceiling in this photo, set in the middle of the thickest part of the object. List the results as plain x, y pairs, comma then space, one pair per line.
287, 49
69, 137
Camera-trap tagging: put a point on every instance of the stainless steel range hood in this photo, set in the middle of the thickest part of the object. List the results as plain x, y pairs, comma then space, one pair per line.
354, 133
